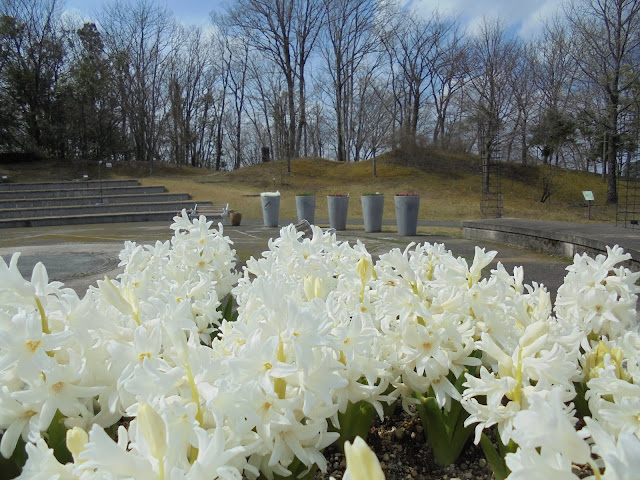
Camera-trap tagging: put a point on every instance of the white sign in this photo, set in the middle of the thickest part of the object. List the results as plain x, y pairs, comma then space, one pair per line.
588, 195
108, 165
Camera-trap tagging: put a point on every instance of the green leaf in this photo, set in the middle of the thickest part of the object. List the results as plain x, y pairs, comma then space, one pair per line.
389, 409
582, 406
452, 417
226, 310
496, 461
511, 447
12, 466
445, 431
57, 438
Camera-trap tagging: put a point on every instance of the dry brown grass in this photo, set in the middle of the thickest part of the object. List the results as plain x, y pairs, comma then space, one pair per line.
449, 186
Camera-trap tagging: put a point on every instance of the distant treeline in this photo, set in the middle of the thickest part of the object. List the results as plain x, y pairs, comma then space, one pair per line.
344, 79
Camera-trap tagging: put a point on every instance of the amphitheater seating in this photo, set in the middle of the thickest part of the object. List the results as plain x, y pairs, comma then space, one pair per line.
91, 201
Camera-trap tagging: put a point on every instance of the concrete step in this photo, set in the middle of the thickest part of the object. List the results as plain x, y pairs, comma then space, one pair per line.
12, 187
81, 192
102, 208
166, 216
89, 201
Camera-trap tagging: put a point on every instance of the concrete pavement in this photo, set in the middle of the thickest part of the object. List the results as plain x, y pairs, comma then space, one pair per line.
79, 255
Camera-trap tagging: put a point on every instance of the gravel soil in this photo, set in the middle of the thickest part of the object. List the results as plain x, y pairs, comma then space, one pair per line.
400, 446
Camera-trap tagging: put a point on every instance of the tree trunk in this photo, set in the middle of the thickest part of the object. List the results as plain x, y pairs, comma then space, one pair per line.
219, 146
612, 176
612, 150
302, 125
605, 142
375, 165
523, 146
340, 122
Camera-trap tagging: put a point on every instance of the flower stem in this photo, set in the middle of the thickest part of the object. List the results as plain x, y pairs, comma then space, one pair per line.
43, 317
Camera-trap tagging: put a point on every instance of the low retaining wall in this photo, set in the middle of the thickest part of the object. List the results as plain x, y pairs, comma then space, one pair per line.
559, 241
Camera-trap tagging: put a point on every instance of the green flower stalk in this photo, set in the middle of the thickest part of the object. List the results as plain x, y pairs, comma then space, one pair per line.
444, 430
355, 422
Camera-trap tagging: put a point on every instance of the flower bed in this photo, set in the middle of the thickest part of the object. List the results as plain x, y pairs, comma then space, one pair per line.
151, 375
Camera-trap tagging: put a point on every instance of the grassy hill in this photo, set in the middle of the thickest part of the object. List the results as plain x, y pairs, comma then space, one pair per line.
449, 185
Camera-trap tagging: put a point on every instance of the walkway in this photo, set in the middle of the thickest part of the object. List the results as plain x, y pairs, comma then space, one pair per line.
79, 255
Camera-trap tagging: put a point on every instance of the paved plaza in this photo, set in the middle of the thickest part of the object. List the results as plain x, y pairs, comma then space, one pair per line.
79, 255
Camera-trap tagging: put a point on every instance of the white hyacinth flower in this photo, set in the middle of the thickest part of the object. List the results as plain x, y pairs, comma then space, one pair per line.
548, 422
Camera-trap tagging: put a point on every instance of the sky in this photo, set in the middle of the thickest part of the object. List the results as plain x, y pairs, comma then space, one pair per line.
524, 17
190, 12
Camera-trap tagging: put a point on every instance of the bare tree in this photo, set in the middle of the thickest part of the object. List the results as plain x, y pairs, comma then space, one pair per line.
189, 65
318, 130
376, 105
413, 47
556, 74
525, 97
495, 54
140, 37
608, 33
236, 66
285, 32
448, 79
350, 38
260, 102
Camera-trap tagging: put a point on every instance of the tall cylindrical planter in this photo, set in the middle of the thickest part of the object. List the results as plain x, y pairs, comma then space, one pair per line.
407, 208
270, 209
306, 207
372, 207
338, 206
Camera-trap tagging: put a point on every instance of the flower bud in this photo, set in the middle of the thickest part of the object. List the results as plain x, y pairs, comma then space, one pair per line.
153, 429
309, 282
77, 440
364, 269
362, 463
320, 289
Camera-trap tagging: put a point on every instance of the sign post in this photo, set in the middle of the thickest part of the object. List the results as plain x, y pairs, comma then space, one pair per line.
588, 196
100, 179
108, 165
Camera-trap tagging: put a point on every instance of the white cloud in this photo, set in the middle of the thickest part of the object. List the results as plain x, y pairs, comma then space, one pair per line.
533, 24
523, 16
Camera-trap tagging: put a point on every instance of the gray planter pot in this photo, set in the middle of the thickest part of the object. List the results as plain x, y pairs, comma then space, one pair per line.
372, 207
407, 208
338, 208
306, 207
270, 210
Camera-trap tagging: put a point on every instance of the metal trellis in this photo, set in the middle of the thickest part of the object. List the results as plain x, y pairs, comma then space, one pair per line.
491, 158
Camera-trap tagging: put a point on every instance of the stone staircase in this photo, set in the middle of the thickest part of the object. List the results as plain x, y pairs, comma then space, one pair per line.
91, 201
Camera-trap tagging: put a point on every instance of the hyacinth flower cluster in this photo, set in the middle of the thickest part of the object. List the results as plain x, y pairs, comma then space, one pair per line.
548, 369
148, 379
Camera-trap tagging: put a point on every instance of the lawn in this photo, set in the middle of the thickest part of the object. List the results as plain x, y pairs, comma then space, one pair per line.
449, 185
